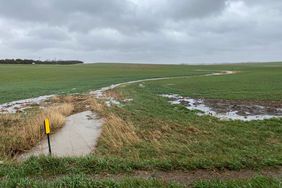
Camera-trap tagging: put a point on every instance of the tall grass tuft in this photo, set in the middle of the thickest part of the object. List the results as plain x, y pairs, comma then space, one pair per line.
117, 132
21, 132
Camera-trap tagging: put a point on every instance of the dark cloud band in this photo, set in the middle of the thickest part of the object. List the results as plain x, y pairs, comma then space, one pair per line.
151, 31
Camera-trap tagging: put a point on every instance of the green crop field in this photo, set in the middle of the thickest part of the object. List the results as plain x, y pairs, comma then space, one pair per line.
25, 81
184, 140
156, 138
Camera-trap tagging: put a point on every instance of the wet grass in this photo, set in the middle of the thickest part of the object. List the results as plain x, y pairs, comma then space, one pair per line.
25, 81
93, 172
83, 181
91, 165
177, 137
252, 83
158, 136
257, 182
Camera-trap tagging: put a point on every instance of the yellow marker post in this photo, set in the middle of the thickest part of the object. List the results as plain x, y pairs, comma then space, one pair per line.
47, 126
47, 132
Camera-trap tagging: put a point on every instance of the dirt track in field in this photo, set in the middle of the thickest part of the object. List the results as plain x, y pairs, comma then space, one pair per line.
189, 177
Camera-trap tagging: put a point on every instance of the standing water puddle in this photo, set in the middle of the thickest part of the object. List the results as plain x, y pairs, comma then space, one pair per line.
229, 110
77, 138
20, 105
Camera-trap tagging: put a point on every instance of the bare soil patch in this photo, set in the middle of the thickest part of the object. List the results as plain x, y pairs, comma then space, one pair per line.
245, 110
245, 107
189, 177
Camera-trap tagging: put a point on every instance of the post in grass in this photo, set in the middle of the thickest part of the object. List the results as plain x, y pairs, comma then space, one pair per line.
47, 132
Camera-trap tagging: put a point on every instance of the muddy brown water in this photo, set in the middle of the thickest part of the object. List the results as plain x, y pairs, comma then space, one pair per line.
77, 138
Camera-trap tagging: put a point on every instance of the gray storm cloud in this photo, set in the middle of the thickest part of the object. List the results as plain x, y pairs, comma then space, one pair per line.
142, 31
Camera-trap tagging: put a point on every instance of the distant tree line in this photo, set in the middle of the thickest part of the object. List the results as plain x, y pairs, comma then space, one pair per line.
30, 61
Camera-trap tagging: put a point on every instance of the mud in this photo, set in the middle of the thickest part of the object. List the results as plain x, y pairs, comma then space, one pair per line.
231, 109
245, 108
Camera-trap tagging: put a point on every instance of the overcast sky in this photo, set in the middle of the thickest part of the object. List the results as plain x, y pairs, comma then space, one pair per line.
142, 31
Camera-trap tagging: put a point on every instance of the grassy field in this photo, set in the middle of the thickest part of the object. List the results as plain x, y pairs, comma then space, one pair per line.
254, 182
261, 82
173, 137
84, 182
148, 134
25, 81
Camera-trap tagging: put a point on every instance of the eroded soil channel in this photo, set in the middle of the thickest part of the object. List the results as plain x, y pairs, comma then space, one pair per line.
245, 110
77, 138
